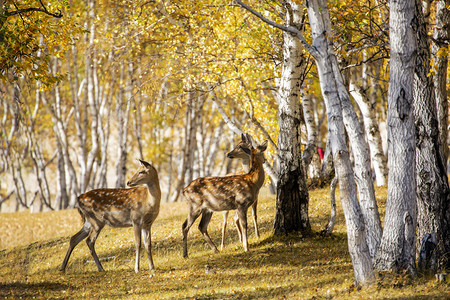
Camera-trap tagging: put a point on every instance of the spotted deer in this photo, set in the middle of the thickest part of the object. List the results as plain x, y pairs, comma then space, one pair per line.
137, 206
208, 194
241, 152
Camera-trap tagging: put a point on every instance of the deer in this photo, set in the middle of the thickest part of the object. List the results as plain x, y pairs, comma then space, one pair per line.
205, 195
241, 152
137, 207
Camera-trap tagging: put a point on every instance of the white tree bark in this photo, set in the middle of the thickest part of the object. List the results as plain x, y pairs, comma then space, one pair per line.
123, 117
368, 110
362, 226
292, 194
395, 252
320, 26
431, 175
441, 36
311, 128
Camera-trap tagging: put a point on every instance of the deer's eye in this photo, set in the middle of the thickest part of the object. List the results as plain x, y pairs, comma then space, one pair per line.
142, 172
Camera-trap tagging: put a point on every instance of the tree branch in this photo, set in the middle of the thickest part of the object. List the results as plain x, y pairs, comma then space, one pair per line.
36, 9
289, 29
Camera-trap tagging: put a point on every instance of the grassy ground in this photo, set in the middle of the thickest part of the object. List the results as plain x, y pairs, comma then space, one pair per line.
292, 267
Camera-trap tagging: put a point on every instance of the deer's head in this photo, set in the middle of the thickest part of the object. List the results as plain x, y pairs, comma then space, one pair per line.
144, 175
258, 153
243, 149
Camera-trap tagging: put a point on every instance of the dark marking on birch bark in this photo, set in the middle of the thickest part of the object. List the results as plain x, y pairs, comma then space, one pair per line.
403, 105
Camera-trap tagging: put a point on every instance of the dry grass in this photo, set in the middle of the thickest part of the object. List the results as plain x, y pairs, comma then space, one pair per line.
276, 267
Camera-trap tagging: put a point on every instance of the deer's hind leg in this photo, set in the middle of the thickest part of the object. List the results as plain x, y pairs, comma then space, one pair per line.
203, 227
74, 241
242, 213
194, 213
255, 217
224, 228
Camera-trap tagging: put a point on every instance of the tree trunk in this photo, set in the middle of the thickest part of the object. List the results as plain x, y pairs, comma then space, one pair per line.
329, 228
123, 116
431, 176
440, 55
368, 109
339, 107
186, 174
395, 252
292, 194
311, 128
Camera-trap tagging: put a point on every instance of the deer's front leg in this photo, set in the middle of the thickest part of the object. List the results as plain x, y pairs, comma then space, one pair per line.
147, 233
242, 213
137, 242
255, 218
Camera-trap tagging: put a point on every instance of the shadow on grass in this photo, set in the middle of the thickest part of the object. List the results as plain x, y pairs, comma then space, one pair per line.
28, 290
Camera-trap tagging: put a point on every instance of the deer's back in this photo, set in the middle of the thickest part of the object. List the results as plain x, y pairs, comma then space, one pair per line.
119, 207
220, 193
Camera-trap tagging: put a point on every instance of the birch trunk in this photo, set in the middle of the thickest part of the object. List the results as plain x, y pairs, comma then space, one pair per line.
368, 109
397, 251
213, 149
185, 175
440, 55
339, 109
61, 187
311, 129
123, 116
68, 184
320, 26
104, 135
88, 158
292, 194
431, 176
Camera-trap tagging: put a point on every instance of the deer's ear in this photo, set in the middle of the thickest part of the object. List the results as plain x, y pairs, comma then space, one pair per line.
144, 163
249, 139
263, 146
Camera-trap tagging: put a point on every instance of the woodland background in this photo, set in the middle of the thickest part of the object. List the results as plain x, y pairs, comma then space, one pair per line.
168, 82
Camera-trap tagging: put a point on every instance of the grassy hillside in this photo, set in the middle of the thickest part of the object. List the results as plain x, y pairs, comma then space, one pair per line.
292, 267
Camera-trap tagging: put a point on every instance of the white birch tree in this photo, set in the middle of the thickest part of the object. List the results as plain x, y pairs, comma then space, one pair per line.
292, 194
397, 249
433, 192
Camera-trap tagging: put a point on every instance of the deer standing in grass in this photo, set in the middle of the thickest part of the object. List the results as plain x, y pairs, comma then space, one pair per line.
208, 194
137, 206
241, 151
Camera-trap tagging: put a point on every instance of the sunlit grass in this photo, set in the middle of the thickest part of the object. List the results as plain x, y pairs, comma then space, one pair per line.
292, 267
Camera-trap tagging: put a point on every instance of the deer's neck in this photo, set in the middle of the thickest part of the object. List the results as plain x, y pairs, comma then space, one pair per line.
256, 172
261, 177
154, 189
246, 165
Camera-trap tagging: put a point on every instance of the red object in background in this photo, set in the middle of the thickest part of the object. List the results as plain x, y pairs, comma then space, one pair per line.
320, 150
